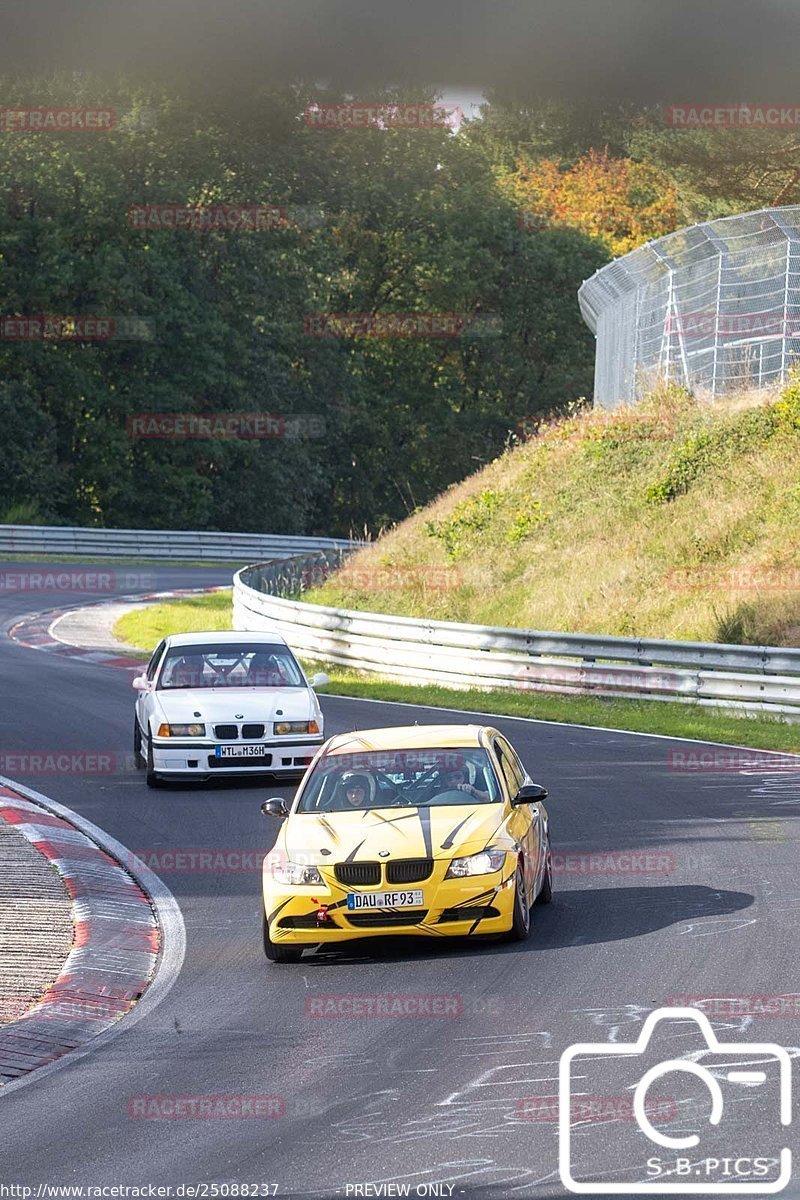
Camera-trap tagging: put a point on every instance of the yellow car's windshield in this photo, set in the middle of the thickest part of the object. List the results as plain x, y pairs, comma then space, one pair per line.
400, 778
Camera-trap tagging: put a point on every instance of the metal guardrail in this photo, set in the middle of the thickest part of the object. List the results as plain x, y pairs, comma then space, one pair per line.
752, 678
180, 544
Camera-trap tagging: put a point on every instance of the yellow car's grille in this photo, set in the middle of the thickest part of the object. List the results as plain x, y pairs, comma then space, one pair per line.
409, 870
363, 874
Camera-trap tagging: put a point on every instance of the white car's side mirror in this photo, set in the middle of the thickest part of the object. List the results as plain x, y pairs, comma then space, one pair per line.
141, 683
320, 680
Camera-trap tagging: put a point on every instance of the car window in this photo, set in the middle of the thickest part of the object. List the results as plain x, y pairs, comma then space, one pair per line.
400, 778
510, 769
232, 665
514, 761
152, 666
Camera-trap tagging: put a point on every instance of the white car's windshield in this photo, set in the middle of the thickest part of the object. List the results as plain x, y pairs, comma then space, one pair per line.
232, 665
400, 778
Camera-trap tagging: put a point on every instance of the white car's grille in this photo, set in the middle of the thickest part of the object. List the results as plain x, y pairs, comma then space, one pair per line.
226, 733
252, 731
232, 733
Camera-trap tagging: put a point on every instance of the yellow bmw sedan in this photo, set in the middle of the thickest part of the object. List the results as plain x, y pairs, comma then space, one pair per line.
430, 830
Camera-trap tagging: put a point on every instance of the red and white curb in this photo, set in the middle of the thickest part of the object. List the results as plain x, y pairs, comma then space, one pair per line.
35, 631
128, 944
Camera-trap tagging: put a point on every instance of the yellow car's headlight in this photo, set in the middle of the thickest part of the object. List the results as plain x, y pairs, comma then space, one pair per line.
293, 873
283, 727
485, 863
181, 730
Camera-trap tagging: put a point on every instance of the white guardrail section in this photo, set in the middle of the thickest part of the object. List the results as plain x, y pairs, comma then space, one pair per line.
752, 678
183, 544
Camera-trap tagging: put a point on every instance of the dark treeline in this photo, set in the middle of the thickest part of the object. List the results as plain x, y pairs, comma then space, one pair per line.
377, 221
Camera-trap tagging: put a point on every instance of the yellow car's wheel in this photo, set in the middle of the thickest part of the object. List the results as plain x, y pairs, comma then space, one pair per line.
521, 920
278, 953
546, 890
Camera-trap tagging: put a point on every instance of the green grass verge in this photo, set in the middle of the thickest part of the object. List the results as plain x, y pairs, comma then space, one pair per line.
146, 627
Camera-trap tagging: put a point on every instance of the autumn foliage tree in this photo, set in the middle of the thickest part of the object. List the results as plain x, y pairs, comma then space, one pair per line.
619, 200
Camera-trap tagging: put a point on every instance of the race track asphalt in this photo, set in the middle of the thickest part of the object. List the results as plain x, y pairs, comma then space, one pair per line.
463, 1101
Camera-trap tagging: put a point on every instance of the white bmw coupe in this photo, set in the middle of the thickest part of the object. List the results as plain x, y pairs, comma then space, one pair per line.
225, 704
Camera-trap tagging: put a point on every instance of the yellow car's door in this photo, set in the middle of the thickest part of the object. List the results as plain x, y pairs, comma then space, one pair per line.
525, 821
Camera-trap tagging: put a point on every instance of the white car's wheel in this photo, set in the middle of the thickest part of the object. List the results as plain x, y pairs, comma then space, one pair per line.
138, 757
151, 779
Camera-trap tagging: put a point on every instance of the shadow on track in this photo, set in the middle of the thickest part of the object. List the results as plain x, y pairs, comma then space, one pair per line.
577, 918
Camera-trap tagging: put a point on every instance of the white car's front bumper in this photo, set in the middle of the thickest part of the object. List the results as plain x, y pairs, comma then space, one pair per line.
282, 756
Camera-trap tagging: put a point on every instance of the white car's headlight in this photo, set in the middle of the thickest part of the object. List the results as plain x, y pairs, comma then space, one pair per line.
283, 727
485, 863
192, 730
293, 873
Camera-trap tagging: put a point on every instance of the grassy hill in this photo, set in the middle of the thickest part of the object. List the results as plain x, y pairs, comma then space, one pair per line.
675, 519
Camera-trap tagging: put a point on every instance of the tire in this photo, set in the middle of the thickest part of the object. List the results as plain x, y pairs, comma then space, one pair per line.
151, 779
277, 953
138, 757
546, 890
521, 919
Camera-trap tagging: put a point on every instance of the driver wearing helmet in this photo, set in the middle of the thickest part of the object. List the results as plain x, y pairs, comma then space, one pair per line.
454, 779
356, 791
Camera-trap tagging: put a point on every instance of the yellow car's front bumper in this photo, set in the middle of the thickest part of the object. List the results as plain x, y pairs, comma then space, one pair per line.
309, 914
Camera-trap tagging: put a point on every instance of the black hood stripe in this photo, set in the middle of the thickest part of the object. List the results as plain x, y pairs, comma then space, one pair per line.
448, 841
353, 853
327, 826
424, 815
